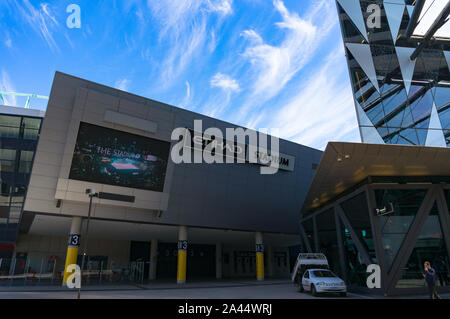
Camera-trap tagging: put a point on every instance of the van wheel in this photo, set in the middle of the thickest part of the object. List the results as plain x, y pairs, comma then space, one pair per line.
313, 291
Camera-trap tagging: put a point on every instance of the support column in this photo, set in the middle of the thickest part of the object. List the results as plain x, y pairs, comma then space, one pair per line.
182, 254
218, 261
73, 246
259, 256
269, 261
153, 259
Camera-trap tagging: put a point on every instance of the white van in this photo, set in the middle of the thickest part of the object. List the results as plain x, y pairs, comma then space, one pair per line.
311, 273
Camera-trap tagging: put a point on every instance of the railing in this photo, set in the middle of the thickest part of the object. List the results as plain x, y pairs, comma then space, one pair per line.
28, 96
49, 271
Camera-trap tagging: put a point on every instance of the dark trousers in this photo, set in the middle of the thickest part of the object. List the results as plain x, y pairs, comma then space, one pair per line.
433, 292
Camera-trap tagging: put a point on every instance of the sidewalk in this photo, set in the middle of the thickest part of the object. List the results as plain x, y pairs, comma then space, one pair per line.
156, 285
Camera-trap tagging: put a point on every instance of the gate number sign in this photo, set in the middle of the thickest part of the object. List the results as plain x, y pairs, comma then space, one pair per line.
182, 245
74, 240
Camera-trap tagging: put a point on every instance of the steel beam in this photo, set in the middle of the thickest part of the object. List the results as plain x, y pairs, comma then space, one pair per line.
411, 236
437, 24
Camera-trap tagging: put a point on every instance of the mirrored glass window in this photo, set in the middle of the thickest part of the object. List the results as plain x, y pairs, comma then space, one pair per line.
430, 246
398, 208
328, 245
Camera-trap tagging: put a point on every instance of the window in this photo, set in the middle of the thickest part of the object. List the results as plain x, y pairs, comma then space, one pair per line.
9, 126
395, 226
308, 227
7, 160
430, 246
26, 161
327, 236
357, 212
31, 128
323, 274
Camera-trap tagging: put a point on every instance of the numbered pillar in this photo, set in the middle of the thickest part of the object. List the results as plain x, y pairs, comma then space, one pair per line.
182, 254
73, 245
218, 261
153, 259
259, 256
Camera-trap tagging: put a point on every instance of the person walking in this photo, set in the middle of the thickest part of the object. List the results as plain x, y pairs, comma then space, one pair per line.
430, 277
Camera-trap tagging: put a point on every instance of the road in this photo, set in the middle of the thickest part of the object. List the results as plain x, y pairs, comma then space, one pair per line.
272, 291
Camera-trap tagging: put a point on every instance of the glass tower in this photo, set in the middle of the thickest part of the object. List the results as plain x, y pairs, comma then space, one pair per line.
398, 100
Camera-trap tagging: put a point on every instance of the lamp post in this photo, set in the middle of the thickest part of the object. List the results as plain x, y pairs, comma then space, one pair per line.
91, 193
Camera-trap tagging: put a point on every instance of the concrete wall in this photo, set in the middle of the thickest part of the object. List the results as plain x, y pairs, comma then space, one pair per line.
227, 196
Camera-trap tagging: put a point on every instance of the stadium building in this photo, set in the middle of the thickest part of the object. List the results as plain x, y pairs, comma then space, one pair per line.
150, 218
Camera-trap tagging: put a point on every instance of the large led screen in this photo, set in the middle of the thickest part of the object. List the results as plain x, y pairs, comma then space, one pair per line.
108, 156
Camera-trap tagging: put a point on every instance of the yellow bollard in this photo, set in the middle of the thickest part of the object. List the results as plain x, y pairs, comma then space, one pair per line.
259, 256
182, 255
73, 246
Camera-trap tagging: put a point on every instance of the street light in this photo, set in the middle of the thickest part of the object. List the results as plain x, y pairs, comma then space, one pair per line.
91, 193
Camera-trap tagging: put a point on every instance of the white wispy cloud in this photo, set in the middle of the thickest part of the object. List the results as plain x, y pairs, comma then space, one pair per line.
275, 65
224, 82
223, 7
187, 98
322, 110
41, 20
122, 84
185, 28
7, 86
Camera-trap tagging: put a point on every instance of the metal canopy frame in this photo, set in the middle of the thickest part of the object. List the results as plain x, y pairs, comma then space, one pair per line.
437, 24
434, 194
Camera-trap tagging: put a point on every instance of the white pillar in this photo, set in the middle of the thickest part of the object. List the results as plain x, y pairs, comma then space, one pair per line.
218, 261
153, 259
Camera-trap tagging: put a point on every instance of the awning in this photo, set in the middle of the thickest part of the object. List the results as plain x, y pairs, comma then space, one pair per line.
344, 165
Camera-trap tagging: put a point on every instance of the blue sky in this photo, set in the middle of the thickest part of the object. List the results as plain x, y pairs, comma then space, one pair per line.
255, 63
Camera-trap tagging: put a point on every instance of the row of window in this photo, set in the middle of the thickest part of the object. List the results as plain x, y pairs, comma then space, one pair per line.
19, 127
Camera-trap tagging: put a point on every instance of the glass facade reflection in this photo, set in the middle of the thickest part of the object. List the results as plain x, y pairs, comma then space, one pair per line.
395, 226
404, 222
398, 101
430, 246
18, 141
328, 243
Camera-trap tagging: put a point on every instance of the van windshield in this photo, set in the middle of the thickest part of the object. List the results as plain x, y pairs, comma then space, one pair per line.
323, 273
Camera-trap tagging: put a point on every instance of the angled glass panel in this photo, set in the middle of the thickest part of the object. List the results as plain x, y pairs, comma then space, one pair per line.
309, 231
395, 225
349, 30
328, 245
430, 246
422, 135
357, 212
356, 270
421, 108
409, 136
